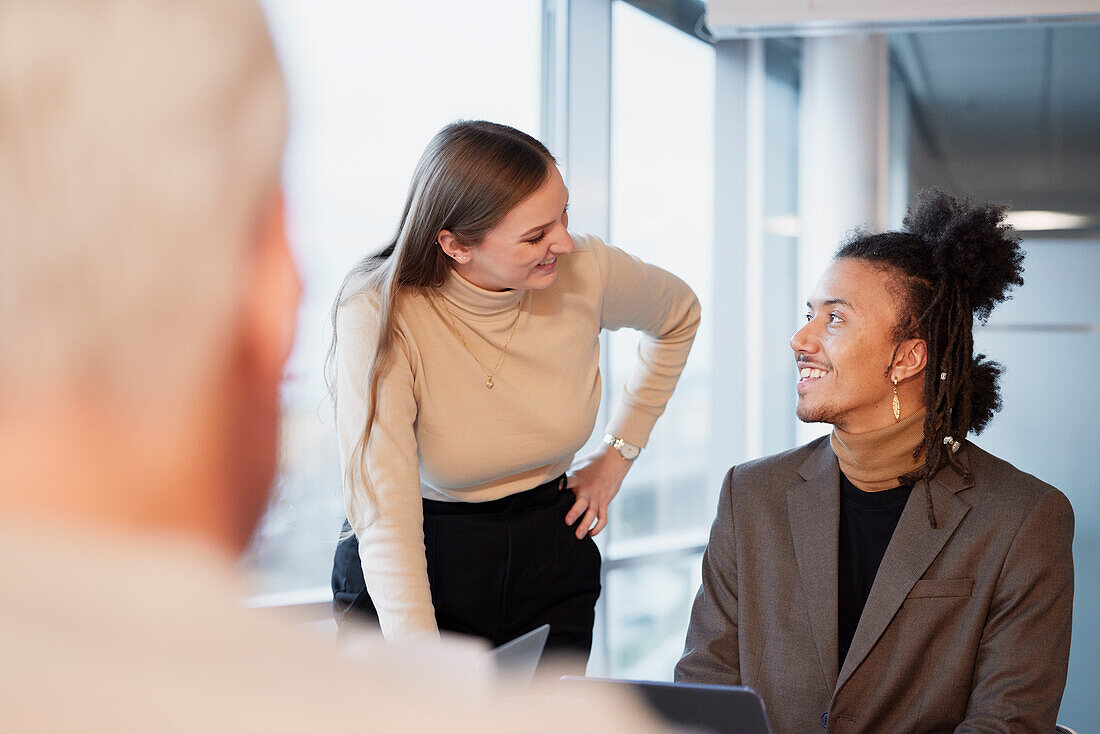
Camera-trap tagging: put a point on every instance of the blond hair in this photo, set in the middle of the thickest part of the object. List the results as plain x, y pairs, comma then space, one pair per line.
140, 143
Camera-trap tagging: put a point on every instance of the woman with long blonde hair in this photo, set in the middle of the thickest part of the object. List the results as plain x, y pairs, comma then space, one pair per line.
467, 378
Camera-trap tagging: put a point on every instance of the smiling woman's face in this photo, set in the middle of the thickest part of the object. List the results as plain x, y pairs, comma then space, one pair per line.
843, 352
521, 252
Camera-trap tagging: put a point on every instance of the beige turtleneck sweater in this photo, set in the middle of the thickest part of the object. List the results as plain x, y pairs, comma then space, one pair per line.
440, 434
873, 461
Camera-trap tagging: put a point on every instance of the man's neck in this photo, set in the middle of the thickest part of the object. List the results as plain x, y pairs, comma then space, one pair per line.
873, 461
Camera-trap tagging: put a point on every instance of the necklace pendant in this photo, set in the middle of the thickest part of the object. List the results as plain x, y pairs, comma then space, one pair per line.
489, 383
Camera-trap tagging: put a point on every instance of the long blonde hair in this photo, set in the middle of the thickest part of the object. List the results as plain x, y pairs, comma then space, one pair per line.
470, 176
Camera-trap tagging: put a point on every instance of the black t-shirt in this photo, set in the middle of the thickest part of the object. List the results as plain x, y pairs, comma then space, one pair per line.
867, 522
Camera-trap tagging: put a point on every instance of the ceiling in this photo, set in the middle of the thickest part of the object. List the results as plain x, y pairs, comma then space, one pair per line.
1010, 114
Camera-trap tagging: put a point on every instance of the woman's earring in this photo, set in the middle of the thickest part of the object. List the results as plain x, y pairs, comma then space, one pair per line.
897, 403
460, 258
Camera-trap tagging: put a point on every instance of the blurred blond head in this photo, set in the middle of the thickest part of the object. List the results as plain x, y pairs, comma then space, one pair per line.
142, 266
139, 143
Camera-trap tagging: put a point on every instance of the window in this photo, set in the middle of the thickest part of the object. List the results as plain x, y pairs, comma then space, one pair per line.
662, 183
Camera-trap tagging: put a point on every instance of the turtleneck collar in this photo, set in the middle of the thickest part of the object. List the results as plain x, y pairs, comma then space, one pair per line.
469, 300
873, 461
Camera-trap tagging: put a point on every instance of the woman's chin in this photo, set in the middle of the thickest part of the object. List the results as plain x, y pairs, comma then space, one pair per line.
542, 279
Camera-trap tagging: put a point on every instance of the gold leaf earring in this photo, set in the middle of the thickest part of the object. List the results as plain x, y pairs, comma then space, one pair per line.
897, 403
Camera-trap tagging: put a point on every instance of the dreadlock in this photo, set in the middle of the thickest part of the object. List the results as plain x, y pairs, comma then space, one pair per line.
956, 261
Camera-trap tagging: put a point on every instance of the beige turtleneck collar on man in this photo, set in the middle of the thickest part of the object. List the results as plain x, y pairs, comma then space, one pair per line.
875, 460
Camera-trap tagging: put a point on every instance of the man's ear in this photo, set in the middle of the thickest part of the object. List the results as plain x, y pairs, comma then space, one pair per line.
452, 248
273, 292
911, 359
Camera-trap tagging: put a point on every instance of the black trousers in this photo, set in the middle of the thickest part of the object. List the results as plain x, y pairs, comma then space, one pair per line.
497, 570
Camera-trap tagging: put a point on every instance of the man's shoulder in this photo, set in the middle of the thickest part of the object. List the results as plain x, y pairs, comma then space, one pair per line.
999, 483
775, 471
988, 468
789, 460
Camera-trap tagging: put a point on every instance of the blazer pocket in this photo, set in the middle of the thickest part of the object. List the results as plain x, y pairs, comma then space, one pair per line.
938, 588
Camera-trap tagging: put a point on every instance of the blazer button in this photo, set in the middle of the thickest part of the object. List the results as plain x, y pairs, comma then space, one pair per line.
825, 720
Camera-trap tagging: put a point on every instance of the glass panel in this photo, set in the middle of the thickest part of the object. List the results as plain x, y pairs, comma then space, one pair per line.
662, 146
370, 84
781, 309
648, 608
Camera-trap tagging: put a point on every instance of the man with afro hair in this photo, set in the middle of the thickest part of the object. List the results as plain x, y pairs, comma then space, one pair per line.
893, 576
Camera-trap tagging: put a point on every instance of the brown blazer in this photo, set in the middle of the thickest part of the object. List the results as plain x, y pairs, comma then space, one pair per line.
967, 626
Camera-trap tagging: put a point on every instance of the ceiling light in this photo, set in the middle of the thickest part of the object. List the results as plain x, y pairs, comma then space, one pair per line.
1034, 220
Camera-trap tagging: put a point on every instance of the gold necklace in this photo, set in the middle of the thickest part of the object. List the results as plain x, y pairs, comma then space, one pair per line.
504, 350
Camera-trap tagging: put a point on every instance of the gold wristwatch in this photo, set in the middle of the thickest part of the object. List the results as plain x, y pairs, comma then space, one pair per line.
626, 450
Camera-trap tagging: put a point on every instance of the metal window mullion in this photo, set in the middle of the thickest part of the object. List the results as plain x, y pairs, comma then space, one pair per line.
577, 125
554, 71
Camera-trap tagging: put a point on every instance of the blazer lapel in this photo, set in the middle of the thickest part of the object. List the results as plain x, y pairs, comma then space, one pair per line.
813, 511
913, 547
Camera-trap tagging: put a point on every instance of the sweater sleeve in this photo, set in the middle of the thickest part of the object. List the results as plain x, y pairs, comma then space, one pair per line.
382, 484
661, 306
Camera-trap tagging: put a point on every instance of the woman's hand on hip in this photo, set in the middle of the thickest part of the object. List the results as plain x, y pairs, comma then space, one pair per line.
595, 481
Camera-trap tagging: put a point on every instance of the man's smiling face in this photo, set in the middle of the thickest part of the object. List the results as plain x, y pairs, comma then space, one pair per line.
844, 351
